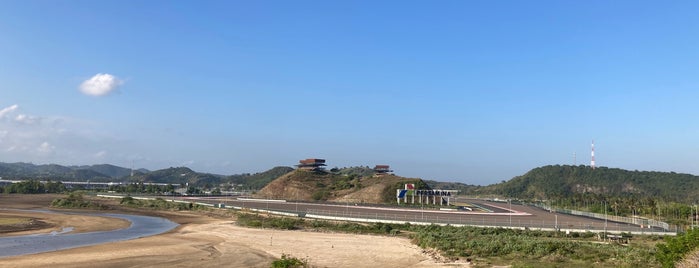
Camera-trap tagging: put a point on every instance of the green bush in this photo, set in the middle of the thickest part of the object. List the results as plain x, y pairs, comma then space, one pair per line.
75, 200
289, 262
526, 245
675, 248
257, 221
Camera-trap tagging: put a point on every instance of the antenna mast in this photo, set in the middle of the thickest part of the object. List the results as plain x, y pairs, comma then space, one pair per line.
592, 162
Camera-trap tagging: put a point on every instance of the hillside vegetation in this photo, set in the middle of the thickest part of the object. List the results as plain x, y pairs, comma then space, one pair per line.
259, 180
337, 187
21, 171
111, 173
558, 181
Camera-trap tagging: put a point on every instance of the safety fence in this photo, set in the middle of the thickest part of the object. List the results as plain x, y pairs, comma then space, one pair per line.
483, 221
629, 220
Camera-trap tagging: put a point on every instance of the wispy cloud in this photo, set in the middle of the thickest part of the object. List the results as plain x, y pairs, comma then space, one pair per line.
31, 137
45, 148
100, 154
6, 114
27, 119
100, 85
6, 111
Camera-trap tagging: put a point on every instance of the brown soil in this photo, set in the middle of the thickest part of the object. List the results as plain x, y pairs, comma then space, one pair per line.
214, 240
302, 185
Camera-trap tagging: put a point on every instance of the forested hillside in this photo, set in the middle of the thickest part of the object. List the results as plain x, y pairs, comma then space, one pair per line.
550, 182
622, 192
258, 180
111, 173
21, 171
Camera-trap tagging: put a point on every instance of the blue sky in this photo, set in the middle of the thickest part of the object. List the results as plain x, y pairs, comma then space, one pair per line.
470, 91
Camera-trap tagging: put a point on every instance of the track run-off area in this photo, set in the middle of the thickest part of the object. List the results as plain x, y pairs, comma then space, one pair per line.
493, 214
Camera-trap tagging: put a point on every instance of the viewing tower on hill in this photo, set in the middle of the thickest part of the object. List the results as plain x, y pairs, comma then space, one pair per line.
382, 170
312, 164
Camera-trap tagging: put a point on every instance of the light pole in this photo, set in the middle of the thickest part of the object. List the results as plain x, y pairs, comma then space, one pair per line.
605, 220
510, 202
422, 210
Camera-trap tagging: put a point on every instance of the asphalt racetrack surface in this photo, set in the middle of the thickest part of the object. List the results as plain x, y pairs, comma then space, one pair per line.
502, 215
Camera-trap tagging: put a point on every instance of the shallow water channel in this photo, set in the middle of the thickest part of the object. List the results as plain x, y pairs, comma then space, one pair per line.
141, 226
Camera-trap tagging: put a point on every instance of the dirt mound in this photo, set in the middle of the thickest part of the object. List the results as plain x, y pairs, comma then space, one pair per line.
321, 186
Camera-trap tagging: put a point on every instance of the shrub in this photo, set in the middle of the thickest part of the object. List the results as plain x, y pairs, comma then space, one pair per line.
675, 248
289, 262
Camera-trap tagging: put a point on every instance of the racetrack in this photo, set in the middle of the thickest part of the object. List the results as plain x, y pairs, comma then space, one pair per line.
503, 215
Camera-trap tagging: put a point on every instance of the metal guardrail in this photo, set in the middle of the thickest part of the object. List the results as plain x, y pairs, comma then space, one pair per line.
488, 222
635, 221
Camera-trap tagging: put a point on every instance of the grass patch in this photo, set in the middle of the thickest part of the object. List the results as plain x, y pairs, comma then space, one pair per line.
159, 204
287, 223
14, 221
287, 261
524, 248
76, 200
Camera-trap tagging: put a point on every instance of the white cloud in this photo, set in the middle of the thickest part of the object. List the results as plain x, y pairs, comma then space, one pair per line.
46, 148
4, 112
100, 154
27, 119
100, 85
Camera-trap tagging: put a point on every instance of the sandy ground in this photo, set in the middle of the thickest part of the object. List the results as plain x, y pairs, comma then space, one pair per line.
57, 222
203, 241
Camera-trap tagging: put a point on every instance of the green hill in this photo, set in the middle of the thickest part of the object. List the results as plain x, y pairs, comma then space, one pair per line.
110, 170
560, 181
462, 187
111, 173
258, 180
179, 176
51, 171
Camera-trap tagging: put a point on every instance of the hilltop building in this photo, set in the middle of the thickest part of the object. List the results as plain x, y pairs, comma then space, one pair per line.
382, 170
313, 164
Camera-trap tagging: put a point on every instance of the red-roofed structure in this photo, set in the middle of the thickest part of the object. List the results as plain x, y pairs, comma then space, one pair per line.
382, 170
313, 164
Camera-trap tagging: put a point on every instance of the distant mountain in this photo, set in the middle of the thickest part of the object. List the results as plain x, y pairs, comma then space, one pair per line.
51, 171
112, 173
110, 170
563, 181
179, 176
259, 180
462, 187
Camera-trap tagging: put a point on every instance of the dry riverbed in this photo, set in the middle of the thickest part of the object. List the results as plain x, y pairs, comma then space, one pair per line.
206, 241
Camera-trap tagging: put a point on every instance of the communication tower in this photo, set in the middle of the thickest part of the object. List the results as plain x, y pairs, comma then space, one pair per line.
592, 161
